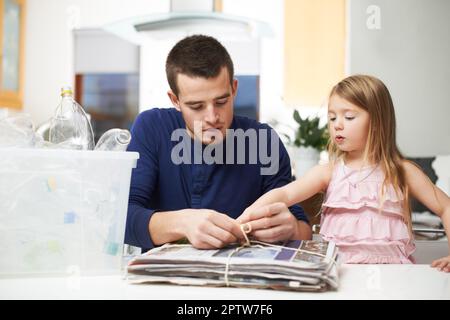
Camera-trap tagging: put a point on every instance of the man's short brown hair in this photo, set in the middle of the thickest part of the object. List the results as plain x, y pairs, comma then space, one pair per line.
197, 56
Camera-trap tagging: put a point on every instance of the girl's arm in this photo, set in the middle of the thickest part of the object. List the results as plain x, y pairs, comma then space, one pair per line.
434, 198
315, 180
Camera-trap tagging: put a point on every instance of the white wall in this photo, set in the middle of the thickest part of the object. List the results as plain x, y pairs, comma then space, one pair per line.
153, 84
411, 54
271, 49
98, 51
49, 43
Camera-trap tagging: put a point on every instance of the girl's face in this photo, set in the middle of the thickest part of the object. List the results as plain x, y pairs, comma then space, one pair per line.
349, 125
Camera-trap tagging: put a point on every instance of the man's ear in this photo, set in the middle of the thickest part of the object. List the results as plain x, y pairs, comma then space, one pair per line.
174, 99
234, 87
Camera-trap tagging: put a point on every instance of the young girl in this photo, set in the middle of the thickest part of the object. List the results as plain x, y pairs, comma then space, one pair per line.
368, 182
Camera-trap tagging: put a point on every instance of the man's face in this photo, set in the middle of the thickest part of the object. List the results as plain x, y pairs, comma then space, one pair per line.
206, 105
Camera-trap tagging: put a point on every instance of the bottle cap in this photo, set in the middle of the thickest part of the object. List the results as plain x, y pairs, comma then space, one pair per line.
66, 90
124, 137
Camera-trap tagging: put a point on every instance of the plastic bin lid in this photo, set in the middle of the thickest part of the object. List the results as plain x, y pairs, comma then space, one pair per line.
67, 153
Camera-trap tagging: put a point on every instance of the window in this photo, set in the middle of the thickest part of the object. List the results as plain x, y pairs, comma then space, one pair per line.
12, 32
111, 100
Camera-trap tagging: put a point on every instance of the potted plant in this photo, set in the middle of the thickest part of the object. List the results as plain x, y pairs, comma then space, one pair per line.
309, 140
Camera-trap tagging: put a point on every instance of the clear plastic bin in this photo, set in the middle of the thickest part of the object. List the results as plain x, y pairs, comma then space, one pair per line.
63, 211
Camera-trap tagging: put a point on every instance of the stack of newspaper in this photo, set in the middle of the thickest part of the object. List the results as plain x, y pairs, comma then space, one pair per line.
295, 265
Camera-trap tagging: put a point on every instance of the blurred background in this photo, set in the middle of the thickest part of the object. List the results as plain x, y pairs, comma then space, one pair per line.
288, 54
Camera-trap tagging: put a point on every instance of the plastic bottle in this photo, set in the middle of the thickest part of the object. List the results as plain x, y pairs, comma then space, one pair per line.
114, 140
70, 127
17, 131
43, 130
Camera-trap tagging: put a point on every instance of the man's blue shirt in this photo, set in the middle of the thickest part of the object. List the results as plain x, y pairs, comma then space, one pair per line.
159, 184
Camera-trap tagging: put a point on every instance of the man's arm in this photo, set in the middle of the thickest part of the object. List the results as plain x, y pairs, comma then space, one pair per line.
145, 140
205, 229
145, 227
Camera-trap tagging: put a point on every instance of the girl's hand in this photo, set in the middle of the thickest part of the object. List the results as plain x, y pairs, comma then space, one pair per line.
442, 264
270, 223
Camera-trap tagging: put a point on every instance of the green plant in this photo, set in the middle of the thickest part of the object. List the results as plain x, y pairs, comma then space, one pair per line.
309, 133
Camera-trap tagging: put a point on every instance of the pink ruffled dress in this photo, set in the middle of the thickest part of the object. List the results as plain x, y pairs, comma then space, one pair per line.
352, 219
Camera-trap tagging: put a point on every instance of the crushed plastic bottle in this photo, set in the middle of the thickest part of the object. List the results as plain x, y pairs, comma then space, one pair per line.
114, 140
17, 130
43, 130
70, 127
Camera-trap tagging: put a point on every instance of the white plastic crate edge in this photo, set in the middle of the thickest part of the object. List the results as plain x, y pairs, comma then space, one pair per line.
131, 157
65, 153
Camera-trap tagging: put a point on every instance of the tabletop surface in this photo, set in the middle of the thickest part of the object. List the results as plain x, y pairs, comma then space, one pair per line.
356, 282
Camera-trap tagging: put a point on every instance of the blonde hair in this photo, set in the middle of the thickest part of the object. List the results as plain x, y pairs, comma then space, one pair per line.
370, 94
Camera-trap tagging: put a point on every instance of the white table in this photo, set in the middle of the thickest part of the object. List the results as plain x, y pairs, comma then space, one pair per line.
356, 282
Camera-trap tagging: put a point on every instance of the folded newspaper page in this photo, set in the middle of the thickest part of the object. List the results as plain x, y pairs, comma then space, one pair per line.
295, 265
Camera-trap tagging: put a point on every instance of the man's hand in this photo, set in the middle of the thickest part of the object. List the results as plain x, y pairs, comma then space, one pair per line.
270, 223
209, 229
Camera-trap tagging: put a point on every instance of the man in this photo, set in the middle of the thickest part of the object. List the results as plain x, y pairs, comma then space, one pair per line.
173, 195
